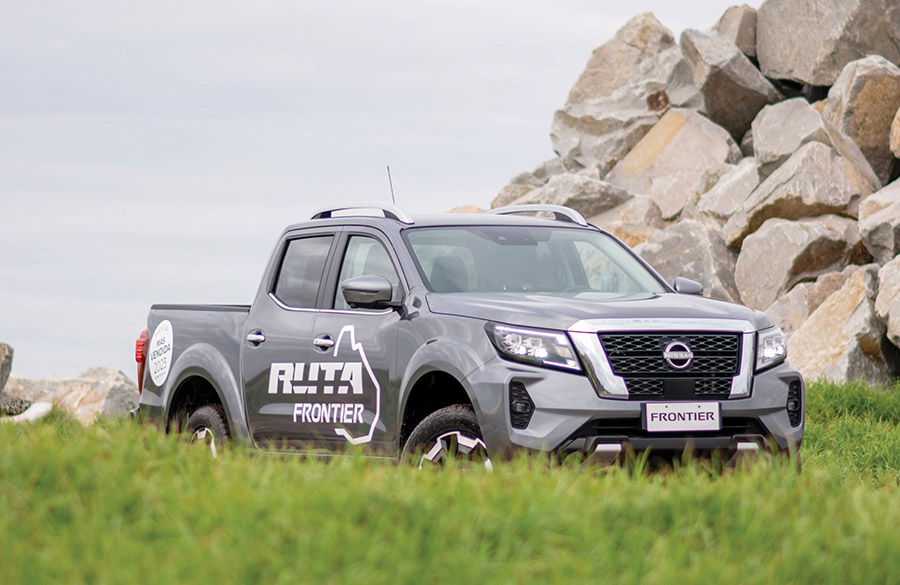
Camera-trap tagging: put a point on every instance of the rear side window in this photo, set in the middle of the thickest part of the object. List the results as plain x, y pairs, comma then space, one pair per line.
301, 271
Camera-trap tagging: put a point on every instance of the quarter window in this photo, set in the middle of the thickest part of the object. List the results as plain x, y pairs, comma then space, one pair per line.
301, 271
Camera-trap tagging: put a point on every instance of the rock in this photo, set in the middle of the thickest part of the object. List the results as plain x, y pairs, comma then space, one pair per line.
747, 143
792, 310
862, 104
691, 249
670, 69
585, 195
738, 25
842, 339
887, 304
466, 209
733, 90
730, 192
6, 358
816, 180
615, 64
895, 135
510, 193
783, 253
879, 223
599, 132
781, 129
633, 222
671, 163
810, 41
97, 391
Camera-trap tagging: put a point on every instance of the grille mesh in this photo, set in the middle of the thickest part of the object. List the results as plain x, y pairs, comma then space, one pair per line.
638, 358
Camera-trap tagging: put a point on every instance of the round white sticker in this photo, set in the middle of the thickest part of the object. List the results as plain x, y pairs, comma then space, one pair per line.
161, 352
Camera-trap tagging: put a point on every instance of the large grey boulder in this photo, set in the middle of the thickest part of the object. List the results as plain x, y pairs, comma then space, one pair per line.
816, 180
528, 181
633, 222
730, 192
895, 135
6, 358
615, 64
600, 131
673, 163
879, 223
887, 303
792, 310
781, 129
733, 89
842, 339
810, 41
862, 103
97, 391
783, 253
738, 25
584, 194
693, 250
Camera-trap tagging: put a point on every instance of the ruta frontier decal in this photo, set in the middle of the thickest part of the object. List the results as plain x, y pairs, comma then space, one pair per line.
337, 382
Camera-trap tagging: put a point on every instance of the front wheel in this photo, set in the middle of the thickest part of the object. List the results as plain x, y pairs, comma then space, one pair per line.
207, 427
451, 432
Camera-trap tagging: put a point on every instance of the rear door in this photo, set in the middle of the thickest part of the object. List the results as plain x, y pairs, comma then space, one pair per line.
277, 360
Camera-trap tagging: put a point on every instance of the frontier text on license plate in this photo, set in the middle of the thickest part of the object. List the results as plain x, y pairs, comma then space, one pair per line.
664, 417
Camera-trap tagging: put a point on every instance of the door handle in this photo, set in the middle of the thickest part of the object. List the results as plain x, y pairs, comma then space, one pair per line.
323, 343
256, 337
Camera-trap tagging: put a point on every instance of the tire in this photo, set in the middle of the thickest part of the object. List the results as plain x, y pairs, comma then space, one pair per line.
450, 432
207, 427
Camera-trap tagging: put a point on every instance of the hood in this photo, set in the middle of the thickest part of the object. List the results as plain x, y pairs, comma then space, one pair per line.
561, 312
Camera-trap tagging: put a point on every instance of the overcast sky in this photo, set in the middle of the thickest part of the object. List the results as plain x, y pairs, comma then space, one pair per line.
151, 152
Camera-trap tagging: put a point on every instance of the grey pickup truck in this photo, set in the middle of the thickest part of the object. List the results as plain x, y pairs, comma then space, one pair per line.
472, 336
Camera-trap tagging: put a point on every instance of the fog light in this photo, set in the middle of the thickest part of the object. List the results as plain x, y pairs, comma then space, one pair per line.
521, 406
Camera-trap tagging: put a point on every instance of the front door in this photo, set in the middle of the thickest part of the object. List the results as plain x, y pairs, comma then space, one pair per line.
355, 353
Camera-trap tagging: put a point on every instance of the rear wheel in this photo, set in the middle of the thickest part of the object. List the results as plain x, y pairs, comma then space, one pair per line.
208, 428
451, 432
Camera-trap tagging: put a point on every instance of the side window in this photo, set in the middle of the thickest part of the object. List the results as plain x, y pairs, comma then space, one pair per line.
301, 271
364, 255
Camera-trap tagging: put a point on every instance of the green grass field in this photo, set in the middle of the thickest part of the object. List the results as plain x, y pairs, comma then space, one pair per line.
120, 503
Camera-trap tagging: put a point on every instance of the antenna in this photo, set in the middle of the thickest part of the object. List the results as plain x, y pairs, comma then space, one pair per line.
391, 183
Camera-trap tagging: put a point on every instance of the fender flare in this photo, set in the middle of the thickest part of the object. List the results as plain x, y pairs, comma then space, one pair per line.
449, 355
205, 361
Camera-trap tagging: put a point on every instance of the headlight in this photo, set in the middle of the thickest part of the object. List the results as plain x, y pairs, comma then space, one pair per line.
770, 348
541, 348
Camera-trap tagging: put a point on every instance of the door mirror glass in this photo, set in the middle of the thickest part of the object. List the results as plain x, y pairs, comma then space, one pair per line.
687, 286
367, 291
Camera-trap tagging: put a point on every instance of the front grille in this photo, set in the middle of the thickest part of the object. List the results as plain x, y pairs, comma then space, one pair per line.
638, 358
624, 428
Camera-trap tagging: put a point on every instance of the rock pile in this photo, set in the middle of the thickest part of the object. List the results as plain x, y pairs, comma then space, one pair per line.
105, 391
758, 157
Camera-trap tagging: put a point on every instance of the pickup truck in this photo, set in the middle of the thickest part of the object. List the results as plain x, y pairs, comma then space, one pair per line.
473, 336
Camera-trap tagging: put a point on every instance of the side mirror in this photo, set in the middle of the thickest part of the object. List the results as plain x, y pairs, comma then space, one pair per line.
368, 291
686, 286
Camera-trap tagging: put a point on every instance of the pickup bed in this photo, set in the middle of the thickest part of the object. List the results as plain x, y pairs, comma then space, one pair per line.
472, 335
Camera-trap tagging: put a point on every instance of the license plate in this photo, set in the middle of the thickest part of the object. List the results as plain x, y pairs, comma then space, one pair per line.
667, 417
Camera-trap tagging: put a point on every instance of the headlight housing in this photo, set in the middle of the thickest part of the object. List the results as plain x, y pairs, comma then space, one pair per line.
550, 349
771, 348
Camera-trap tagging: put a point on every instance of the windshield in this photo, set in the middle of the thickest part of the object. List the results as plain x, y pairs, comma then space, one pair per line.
546, 260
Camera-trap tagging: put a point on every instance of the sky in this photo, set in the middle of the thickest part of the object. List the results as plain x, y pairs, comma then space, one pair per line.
152, 152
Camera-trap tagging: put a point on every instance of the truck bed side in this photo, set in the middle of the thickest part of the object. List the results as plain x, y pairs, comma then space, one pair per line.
195, 355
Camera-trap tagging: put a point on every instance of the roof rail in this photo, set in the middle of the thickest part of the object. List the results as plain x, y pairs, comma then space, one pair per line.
389, 211
559, 212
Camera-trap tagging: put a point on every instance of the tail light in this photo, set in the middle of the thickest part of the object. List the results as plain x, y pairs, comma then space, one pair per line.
140, 356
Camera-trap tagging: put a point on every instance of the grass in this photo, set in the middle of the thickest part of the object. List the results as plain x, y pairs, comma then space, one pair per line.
119, 503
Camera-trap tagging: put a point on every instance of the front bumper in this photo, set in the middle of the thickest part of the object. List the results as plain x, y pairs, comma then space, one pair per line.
569, 415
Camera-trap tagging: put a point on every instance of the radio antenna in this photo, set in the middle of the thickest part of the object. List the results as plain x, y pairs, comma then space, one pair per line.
391, 183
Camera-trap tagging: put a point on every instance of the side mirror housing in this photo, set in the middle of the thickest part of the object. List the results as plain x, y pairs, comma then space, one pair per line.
686, 286
368, 291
